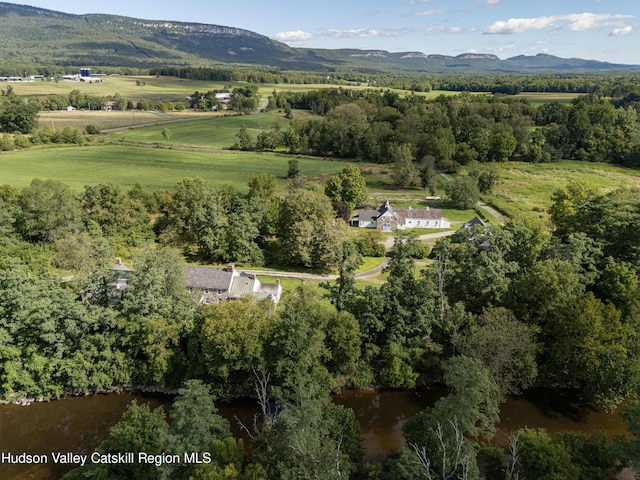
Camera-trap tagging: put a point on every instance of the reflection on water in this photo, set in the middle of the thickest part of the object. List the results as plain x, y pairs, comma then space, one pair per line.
75, 424
382, 414
541, 409
79, 424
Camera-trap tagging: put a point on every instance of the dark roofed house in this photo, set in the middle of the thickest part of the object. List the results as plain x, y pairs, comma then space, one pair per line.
387, 218
122, 273
216, 284
212, 284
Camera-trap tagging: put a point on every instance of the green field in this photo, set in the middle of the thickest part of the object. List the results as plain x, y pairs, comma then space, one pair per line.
152, 88
217, 132
172, 89
526, 187
152, 167
104, 120
539, 98
130, 87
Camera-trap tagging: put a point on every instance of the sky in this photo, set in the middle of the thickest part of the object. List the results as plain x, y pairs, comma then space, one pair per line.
606, 30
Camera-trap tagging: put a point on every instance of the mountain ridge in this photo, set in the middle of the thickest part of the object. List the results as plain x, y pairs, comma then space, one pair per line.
34, 35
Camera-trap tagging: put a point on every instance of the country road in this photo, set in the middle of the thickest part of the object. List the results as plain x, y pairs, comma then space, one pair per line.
490, 210
369, 273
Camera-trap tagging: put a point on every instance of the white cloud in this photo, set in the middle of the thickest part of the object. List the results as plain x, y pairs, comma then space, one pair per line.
352, 33
493, 2
426, 13
417, 2
441, 30
520, 25
294, 36
617, 32
576, 22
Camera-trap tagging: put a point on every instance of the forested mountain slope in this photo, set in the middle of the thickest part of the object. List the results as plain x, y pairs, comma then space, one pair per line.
35, 36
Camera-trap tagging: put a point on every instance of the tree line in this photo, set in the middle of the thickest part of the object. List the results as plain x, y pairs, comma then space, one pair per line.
374, 126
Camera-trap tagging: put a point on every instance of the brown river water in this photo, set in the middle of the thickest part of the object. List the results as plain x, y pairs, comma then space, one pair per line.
79, 424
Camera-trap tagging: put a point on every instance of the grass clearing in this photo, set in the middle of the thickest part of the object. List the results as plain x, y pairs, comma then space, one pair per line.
369, 263
527, 188
539, 98
154, 168
105, 120
214, 132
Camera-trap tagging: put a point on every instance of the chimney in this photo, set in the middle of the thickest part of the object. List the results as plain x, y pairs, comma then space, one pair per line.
230, 267
118, 261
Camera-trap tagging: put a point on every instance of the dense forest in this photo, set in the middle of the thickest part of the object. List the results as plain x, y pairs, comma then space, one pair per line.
560, 307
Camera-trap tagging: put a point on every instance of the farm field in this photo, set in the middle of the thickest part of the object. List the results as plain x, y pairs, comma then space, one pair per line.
106, 120
152, 88
173, 89
539, 98
154, 168
217, 132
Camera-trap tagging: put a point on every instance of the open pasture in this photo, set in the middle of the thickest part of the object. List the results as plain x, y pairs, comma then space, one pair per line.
172, 89
154, 168
130, 87
540, 98
525, 187
214, 132
107, 120
152, 88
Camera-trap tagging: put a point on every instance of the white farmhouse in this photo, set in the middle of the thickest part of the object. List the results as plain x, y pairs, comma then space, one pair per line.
388, 219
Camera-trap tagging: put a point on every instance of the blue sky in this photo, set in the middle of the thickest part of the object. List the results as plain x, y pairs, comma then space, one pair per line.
607, 30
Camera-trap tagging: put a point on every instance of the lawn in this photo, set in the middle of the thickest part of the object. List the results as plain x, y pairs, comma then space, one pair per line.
154, 168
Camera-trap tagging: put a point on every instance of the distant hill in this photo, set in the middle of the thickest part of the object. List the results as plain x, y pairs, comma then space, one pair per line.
36, 36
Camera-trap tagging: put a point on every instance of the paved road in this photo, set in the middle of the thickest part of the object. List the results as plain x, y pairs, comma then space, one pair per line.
492, 211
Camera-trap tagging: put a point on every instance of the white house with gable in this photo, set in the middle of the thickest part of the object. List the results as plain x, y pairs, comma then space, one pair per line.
388, 219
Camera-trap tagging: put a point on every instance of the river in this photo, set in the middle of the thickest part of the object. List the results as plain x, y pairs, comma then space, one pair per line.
79, 424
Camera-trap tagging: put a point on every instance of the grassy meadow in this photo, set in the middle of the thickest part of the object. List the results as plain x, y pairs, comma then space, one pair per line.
116, 119
527, 188
539, 98
154, 168
216, 132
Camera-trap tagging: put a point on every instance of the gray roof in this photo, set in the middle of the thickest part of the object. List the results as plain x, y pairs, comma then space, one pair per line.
420, 212
207, 277
248, 284
242, 285
475, 221
367, 215
400, 213
121, 267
